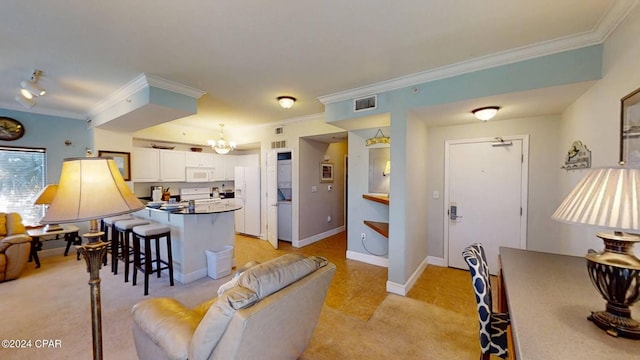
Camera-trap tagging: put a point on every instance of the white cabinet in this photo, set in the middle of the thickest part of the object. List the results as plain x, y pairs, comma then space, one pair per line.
198, 159
284, 220
172, 165
224, 166
145, 164
150, 165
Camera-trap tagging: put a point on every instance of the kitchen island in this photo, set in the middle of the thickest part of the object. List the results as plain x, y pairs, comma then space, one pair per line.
208, 227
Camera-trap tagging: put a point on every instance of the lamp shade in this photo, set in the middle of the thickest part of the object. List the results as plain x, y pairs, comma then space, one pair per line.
606, 197
90, 188
46, 195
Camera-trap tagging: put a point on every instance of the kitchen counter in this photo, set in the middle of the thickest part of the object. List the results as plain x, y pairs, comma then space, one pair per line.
208, 227
202, 209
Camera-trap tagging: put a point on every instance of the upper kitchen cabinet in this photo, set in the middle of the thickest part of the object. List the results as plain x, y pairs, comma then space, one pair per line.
172, 165
199, 159
150, 165
224, 166
145, 164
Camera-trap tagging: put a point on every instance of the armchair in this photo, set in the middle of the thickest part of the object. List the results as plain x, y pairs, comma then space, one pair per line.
15, 246
270, 313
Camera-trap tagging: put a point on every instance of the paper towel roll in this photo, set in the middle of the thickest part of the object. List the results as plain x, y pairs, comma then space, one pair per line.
156, 195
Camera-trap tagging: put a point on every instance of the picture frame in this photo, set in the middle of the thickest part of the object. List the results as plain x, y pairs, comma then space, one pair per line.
630, 129
326, 172
122, 160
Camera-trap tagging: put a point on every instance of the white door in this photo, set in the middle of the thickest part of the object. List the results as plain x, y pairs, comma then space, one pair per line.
485, 196
272, 198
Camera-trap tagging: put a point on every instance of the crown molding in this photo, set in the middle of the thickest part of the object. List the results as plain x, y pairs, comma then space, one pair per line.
138, 83
606, 25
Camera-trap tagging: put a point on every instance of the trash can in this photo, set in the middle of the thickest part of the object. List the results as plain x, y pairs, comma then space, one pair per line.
219, 262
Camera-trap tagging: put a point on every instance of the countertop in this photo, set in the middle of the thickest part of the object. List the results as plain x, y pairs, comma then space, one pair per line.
202, 209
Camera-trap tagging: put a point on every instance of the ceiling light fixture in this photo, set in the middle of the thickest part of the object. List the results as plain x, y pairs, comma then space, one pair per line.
30, 89
286, 101
28, 103
485, 113
222, 146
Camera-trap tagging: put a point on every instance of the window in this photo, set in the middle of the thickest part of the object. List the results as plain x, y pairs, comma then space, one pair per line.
22, 176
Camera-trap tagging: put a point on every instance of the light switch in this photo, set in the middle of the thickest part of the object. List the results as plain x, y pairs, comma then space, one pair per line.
436, 194
314, 188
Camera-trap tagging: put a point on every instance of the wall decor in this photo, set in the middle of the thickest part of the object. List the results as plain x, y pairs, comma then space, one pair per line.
630, 129
326, 172
122, 160
10, 129
578, 157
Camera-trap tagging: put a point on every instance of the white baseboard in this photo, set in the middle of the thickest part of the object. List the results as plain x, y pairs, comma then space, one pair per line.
369, 259
403, 289
437, 261
317, 237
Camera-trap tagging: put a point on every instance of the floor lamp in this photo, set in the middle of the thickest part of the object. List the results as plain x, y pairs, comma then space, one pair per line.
90, 189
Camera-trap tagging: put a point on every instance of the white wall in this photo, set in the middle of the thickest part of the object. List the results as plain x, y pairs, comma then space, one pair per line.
595, 119
546, 155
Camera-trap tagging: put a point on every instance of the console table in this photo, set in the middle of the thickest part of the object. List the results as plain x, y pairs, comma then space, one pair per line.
549, 297
68, 232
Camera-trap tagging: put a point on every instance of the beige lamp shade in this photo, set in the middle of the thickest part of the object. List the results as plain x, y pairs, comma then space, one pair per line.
90, 188
607, 197
46, 195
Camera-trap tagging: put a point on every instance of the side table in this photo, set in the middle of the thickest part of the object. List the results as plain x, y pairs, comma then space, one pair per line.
68, 232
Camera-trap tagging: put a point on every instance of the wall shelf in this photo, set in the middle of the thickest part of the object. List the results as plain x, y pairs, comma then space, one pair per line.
383, 199
381, 228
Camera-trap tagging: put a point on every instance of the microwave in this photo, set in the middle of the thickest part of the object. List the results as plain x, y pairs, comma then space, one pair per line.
200, 175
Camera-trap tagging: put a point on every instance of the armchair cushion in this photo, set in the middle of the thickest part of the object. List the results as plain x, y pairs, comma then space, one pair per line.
271, 276
168, 323
13, 240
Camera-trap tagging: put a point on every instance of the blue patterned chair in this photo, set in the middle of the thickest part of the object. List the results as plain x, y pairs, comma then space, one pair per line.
493, 326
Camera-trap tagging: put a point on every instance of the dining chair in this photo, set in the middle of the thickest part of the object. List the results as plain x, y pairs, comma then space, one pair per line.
493, 326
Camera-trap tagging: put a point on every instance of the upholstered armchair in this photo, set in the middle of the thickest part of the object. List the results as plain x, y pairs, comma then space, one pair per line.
269, 312
15, 246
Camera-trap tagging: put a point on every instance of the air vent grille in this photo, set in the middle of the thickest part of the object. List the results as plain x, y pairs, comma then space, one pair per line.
279, 144
367, 103
279, 130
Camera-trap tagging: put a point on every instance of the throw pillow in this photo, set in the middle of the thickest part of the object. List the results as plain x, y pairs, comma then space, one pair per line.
3, 224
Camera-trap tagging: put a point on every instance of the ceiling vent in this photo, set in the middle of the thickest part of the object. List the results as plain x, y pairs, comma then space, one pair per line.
279, 130
366, 103
279, 144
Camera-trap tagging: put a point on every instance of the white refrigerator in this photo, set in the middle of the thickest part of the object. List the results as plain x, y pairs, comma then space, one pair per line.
247, 194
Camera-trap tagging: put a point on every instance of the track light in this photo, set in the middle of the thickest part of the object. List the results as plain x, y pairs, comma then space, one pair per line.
28, 103
32, 87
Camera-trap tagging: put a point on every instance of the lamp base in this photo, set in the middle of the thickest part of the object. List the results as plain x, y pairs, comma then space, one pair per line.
615, 272
625, 327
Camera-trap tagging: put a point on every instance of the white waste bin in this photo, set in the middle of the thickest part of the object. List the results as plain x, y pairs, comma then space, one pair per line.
219, 262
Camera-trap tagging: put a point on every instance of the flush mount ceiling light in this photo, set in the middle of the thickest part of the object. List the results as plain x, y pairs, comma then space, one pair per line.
286, 101
485, 113
222, 146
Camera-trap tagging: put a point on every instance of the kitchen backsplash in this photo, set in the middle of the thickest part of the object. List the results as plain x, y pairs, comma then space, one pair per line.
143, 190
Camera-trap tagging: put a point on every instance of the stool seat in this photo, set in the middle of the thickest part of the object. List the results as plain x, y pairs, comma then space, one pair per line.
111, 220
120, 243
151, 229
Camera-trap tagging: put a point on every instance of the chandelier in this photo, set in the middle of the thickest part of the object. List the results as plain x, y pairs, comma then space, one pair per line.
222, 146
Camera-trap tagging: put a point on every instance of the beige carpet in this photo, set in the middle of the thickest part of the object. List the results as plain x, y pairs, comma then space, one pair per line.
401, 328
53, 303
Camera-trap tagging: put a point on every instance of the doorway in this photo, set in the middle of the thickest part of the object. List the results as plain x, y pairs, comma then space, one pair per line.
486, 182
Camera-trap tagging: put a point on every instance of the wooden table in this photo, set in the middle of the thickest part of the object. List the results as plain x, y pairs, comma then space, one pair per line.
68, 232
549, 298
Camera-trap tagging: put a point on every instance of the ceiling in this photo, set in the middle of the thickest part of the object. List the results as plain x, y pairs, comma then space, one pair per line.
244, 54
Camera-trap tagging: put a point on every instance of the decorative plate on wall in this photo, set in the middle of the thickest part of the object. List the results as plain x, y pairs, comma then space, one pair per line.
10, 129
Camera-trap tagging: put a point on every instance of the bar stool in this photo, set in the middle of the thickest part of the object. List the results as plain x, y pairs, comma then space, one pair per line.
120, 243
107, 225
145, 264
